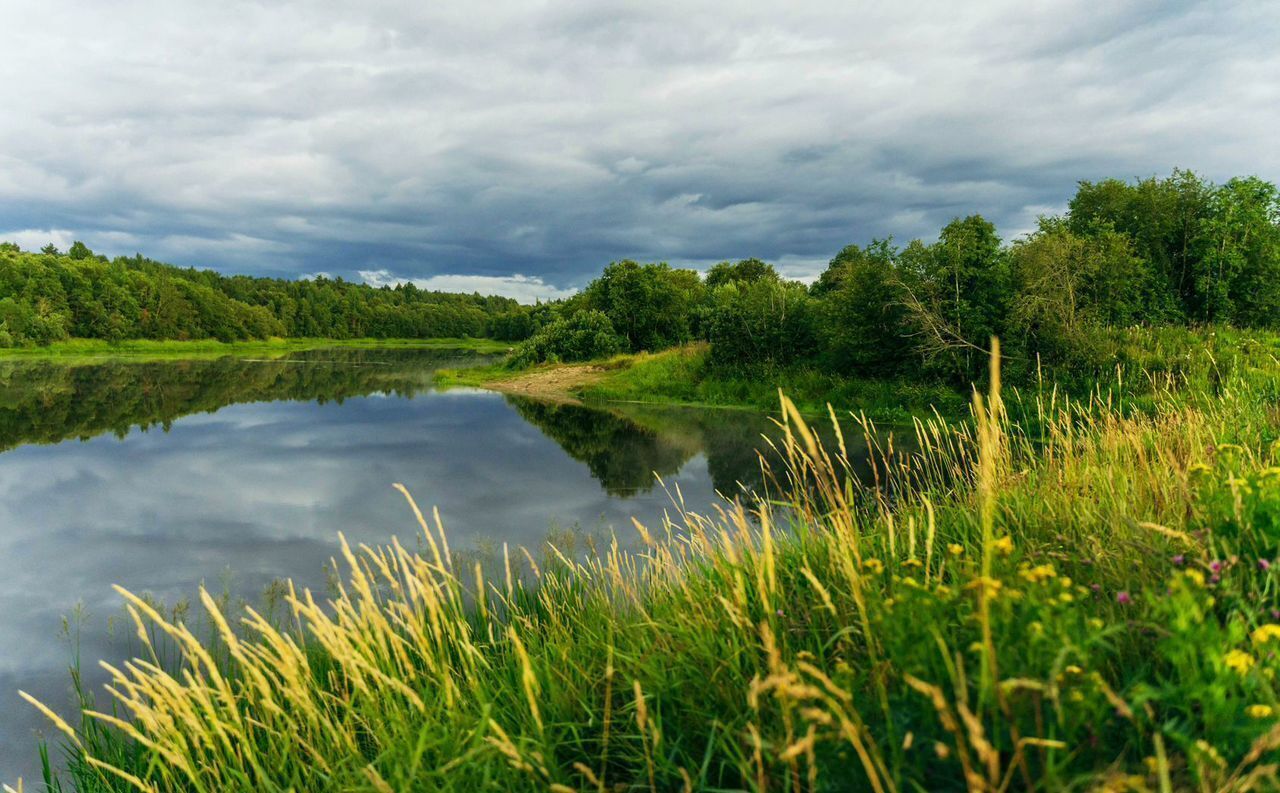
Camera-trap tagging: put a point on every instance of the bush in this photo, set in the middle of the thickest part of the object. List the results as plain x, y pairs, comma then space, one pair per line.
581, 336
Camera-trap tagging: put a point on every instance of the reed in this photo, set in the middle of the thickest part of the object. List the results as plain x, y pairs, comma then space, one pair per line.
1057, 593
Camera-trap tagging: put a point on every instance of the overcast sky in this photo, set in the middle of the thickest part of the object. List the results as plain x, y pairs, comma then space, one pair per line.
520, 146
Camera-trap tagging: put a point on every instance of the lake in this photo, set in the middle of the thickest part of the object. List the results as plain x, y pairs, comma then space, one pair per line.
236, 472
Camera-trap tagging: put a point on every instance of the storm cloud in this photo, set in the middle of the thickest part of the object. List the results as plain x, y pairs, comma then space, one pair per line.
521, 146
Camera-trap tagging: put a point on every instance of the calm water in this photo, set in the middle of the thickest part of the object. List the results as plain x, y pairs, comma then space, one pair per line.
235, 472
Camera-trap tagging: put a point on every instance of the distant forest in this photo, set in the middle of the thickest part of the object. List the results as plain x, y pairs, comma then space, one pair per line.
52, 295
1159, 251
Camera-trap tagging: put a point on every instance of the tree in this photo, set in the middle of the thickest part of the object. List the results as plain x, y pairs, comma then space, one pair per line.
1237, 278
1163, 218
956, 294
763, 324
650, 305
863, 312
746, 271
1068, 287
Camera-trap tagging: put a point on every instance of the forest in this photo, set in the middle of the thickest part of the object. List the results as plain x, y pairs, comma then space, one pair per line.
1157, 251
51, 296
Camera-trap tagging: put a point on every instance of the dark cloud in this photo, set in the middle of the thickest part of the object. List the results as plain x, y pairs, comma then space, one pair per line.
419, 140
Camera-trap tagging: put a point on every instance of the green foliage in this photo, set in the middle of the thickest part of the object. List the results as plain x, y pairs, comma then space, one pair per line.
760, 325
747, 271
650, 305
864, 320
581, 336
51, 296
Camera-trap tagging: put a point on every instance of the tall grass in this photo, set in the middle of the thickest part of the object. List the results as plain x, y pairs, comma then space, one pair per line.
1056, 594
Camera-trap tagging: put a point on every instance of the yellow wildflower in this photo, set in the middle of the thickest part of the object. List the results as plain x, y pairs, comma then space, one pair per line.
955, 549
990, 586
1238, 661
1039, 573
1266, 634
874, 565
1259, 711
913, 562
1004, 545
1195, 576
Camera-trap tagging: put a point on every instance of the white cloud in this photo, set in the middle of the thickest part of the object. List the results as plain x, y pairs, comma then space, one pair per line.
525, 288
35, 239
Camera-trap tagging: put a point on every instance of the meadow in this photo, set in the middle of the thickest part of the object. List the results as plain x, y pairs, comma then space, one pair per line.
1062, 590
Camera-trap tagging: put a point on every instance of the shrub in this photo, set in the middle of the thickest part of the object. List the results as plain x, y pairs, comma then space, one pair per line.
578, 337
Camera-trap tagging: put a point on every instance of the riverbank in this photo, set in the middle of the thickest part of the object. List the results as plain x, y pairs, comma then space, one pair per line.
683, 376
72, 349
1085, 602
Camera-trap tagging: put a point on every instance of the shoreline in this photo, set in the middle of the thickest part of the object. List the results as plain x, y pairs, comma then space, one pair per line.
72, 350
682, 377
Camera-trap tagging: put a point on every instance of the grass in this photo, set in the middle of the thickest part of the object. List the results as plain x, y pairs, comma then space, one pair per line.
683, 376
147, 349
1055, 594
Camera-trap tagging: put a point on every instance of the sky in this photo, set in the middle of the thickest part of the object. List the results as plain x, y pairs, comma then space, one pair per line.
518, 147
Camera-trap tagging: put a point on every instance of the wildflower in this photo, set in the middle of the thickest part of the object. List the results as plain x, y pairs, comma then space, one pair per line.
955, 549
1259, 711
1195, 576
1072, 669
1266, 634
1211, 753
1039, 573
1180, 560
944, 590
1004, 545
1215, 566
913, 562
1123, 598
1238, 661
990, 586
1264, 565
1066, 597
1036, 628
780, 613
874, 565
1096, 623
1076, 696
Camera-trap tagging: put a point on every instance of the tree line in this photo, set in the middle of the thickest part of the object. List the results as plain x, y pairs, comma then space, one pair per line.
51, 295
1175, 250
